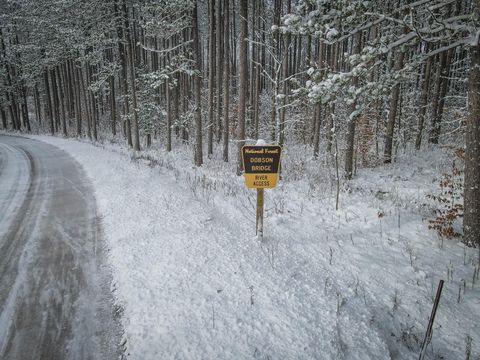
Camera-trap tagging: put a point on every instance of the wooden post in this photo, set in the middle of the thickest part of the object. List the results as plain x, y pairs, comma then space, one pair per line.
259, 223
428, 334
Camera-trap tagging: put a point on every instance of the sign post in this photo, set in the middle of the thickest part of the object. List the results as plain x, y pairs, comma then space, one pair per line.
259, 222
261, 164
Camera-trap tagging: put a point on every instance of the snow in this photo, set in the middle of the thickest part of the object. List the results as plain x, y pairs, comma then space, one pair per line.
357, 283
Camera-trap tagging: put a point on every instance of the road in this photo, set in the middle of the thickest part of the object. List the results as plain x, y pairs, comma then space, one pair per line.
55, 299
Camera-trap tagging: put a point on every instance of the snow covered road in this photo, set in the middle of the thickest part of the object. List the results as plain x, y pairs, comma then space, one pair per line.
54, 295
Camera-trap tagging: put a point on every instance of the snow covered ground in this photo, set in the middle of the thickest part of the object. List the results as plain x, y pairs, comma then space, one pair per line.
355, 283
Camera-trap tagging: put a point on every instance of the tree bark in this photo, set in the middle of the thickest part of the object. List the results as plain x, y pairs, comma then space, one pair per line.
69, 90
4, 117
352, 118
37, 104
86, 101
471, 220
197, 83
226, 78
334, 50
62, 103
242, 83
442, 86
131, 66
316, 130
113, 100
136, 133
211, 75
255, 96
392, 115
93, 103
252, 51
423, 103
122, 27
219, 62
2, 111
56, 99
169, 117
285, 68
78, 99
176, 95
49, 101
25, 116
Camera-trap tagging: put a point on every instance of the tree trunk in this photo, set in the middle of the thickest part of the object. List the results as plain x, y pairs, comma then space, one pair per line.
2, 111
471, 220
113, 100
233, 57
285, 67
316, 130
69, 87
183, 99
198, 81
136, 133
78, 100
122, 28
319, 58
25, 116
16, 111
442, 86
256, 102
169, 117
62, 103
226, 78
242, 83
392, 115
66, 90
334, 50
219, 62
176, 95
423, 102
37, 104
11, 100
56, 101
4, 117
252, 51
255, 96
86, 102
12, 108
352, 118
94, 105
130, 60
49, 101
211, 75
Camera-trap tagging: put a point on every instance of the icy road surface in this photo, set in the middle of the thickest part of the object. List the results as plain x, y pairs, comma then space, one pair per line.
54, 294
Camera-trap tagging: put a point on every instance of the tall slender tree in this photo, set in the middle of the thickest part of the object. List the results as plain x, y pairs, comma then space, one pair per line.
242, 83
471, 221
226, 77
197, 58
211, 75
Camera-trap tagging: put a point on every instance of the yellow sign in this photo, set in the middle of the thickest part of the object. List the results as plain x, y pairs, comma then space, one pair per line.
261, 180
261, 165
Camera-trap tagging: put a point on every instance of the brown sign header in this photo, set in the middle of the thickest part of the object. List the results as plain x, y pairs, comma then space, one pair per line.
261, 159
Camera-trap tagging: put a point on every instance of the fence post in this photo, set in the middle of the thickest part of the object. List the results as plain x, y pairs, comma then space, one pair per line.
428, 334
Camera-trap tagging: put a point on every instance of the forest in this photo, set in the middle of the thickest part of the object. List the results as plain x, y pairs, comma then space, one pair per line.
353, 82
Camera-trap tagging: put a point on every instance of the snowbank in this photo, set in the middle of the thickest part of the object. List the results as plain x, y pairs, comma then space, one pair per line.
357, 283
